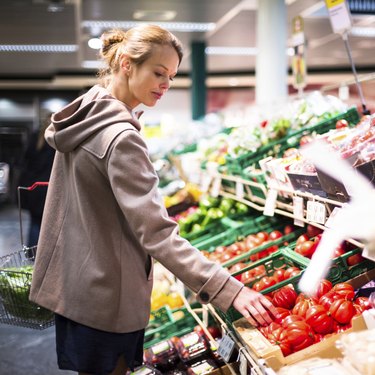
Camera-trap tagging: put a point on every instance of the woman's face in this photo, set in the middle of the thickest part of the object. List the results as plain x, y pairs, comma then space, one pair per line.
148, 82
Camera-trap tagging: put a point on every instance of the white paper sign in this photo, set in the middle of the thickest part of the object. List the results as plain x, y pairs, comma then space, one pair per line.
270, 205
216, 185
316, 212
339, 15
226, 347
298, 211
239, 190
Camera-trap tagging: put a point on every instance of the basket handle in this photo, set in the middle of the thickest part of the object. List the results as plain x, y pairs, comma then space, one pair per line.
28, 188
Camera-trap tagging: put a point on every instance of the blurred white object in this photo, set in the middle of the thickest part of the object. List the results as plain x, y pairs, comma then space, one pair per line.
355, 220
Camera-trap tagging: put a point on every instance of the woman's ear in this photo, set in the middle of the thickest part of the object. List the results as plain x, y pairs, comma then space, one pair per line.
125, 64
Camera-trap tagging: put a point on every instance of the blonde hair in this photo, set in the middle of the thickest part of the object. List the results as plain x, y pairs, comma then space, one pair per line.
137, 43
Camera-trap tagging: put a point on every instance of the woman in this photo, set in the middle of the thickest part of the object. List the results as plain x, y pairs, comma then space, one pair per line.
105, 221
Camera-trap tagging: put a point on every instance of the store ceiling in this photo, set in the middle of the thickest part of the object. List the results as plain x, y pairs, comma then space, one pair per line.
33, 22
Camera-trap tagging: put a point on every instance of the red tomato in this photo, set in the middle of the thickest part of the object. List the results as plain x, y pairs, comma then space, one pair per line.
259, 285
214, 331
279, 275
301, 307
285, 297
302, 238
327, 299
288, 229
262, 235
235, 268
291, 271
274, 235
313, 231
282, 314
324, 287
344, 290
340, 124
319, 319
298, 335
306, 249
247, 277
354, 259
268, 281
342, 311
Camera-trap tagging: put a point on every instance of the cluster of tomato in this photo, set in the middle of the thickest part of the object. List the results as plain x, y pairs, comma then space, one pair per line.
223, 254
304, 321
307, 243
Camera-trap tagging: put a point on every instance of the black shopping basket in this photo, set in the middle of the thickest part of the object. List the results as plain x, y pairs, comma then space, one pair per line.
15, 281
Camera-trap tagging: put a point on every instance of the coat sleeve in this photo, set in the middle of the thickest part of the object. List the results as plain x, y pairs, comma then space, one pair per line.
135, 186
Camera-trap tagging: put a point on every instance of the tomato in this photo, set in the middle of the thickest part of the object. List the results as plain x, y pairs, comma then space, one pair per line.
288, 229
302, 238
341, 124
327, 299
291, 271
278, 275
247, 277
214, 331
305, 139
298, 335
282, 314
268, 281
338, 251
344, 290
324, 287
276, 336
319, 319
312, 231
306, 249
235, 268
342, 310
301, 307
354, 259
262, 235
274, 235
291, 319
285, 297
259, 285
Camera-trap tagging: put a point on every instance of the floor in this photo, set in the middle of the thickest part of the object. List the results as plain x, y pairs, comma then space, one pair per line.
23, 351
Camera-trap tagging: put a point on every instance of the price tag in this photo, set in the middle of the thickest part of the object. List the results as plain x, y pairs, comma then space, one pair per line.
339, 15
316, 212
239, 190
270, 205
298, 211
226, 347
205, 183
243, 364
216, 185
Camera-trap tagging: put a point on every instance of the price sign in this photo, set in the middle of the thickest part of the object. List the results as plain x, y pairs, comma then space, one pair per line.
243, 364
298, 211
216, 185
339, 15
270, 205
205, 183
316, 212
226, 347
239, 190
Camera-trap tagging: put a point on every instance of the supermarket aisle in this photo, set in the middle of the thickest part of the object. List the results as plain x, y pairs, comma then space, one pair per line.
23, 350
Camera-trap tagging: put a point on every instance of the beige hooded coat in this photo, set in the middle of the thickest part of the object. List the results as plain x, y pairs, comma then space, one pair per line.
104, 221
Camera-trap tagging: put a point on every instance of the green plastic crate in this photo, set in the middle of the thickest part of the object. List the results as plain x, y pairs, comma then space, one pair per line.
165, 325
291, 140
283, 258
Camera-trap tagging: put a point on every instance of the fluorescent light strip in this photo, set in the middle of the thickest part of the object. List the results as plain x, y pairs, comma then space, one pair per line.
367, 32
65, 48
234, 51
174, 26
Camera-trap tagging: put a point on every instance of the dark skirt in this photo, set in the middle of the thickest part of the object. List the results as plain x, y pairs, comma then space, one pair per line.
84, 349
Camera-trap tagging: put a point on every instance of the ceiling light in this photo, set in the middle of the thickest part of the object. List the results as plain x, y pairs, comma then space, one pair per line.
366, 32
235, 51
154, 15
173, 26
65, 48
95, 43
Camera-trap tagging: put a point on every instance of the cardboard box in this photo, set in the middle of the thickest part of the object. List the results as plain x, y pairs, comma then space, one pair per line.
273, 355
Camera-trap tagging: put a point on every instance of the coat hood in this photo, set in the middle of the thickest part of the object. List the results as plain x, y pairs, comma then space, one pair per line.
85, 116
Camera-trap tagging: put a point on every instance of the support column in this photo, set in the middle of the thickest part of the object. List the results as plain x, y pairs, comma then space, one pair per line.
271, 64
198, 79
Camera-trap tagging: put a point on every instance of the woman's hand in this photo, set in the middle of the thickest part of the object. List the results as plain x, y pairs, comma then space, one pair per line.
253, 306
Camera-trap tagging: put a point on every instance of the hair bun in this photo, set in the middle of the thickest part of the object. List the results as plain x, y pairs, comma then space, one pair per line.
110, 38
